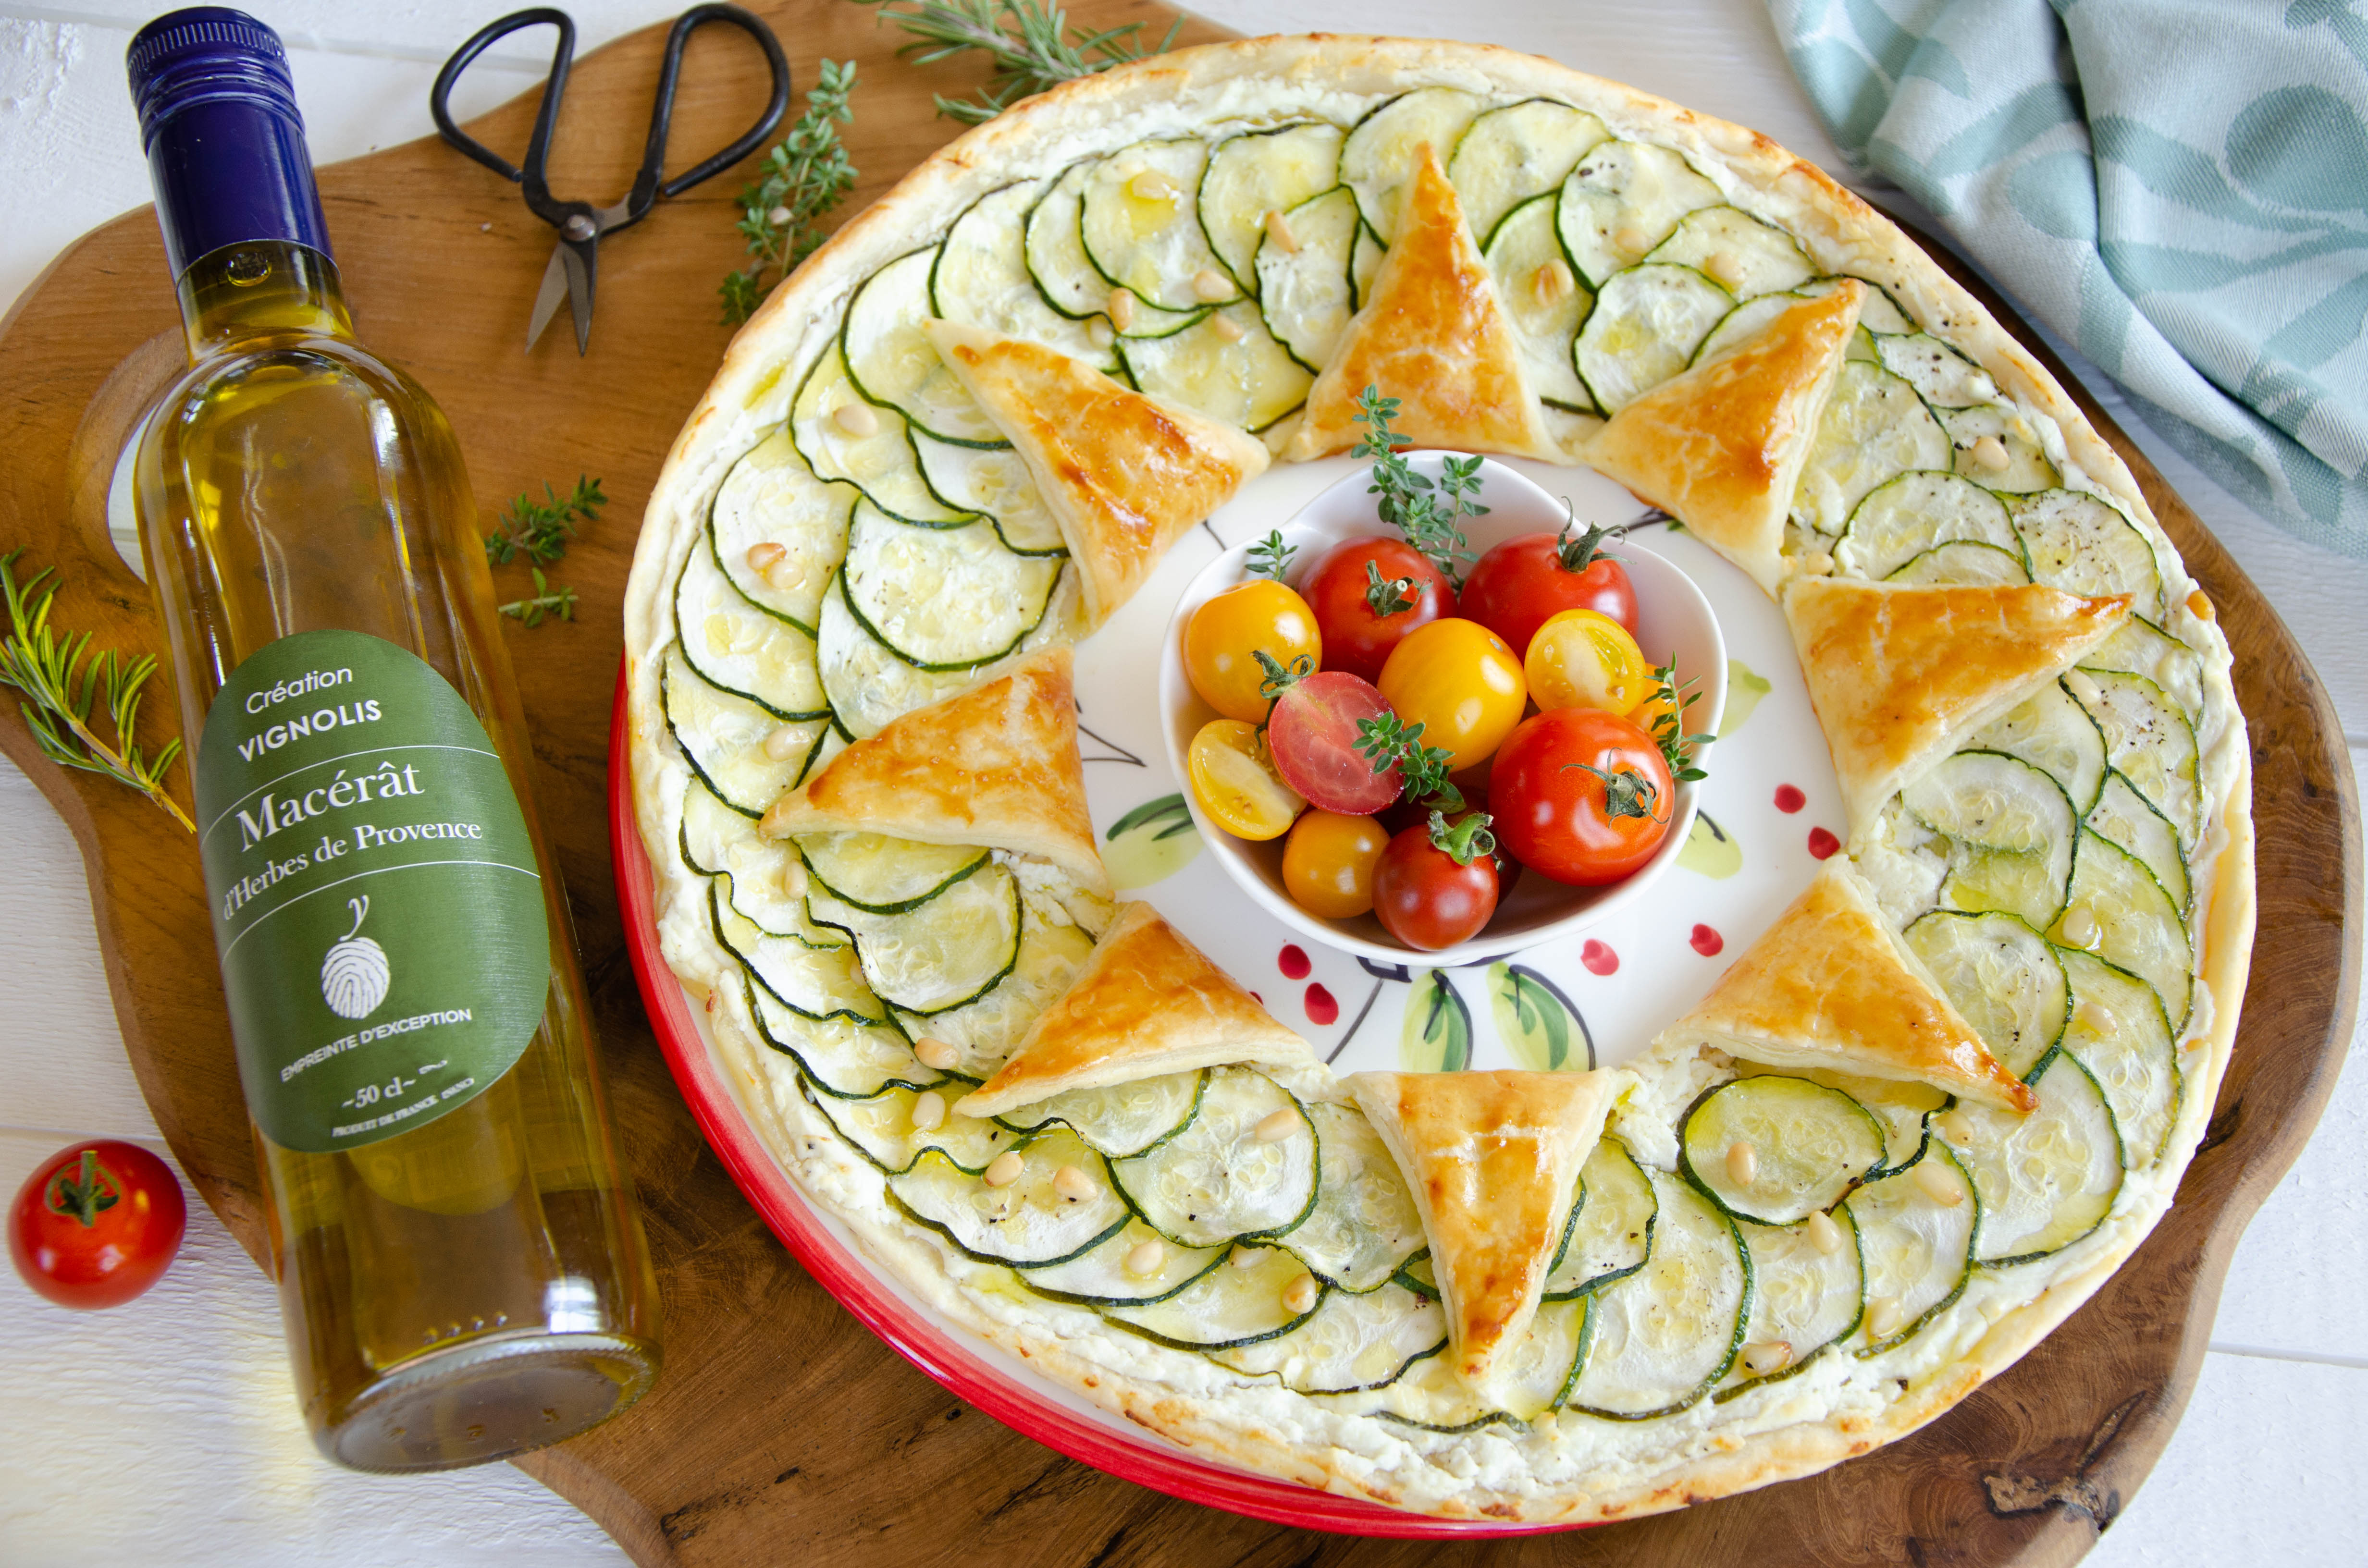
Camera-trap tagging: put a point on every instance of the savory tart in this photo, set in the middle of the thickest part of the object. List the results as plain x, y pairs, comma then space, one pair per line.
1916, 1124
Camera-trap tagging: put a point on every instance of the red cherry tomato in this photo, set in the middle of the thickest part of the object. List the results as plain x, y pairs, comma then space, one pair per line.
1312, 735
1427, 898
1523, 583
1351, 590
1581, 796
97, 1225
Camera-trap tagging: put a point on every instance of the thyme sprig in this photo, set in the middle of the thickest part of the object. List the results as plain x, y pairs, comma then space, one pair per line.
804, 177
70, 693
1428, 512
539, 529
1270, 557
1670, 700
1389, 742
558, 602
1031, 44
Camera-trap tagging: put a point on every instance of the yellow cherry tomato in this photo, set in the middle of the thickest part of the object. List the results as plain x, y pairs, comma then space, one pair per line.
1235, 783
1327, 863
1460, 682
1581, 658
1226, 635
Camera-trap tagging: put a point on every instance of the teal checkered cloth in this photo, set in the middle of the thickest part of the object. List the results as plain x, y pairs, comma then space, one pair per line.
2180, 187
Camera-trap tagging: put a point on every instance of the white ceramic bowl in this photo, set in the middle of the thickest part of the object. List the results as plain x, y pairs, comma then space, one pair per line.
1672, 616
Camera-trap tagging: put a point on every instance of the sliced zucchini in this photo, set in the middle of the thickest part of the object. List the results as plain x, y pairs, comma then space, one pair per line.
770, 498
1744, 256
1101, 1278
1915, 1248
1350, 1344
1138, 215
983, 1032
1622, 199
1645, 326
1028, 1223
1274, 169
1508, 158
813, 982
1543, 299
2119, 1033
1964, 561
723, 737
1537, 1375
1365, 263
2147, 741
739, 648
1226, 366
850, 1058
1875, 429
875, 455
1364, 1225
950, 951
1666, 1334
2077, 543
2002, 978
2027, 468
1305, 292
1214, 1181
1801, 1298
1899, 1107
1901, 519
1609, 1233
2013, 826
981, 277
2139, 647
883, 1131
1125, 1118
865, 680
1741, 323
2136, 824
997, 486
2138, 926
893, 364
1809, 1145
885, 876
1903, 862
1941, 377
1381, 151
719, 840
1228, 1306
2055, 734
2045, 1179
944, 600
1055, 257
1879, 315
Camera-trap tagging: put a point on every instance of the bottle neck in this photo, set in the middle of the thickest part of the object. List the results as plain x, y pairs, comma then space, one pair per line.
260, 288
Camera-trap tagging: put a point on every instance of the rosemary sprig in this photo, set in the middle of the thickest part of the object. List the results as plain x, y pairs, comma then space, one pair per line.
1031, 44
546, 601
64, 686
1389, 742
539, 529
804, 177
1672, 700
1428, 512
1270, 557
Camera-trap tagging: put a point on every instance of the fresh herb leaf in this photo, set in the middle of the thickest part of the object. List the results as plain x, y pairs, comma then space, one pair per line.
803, 178
1388, 742
1270, 557
1281, 677
1387, 596
66, 688
1464, 841
546, 601
1031, 45
1626, 792
1428, 512
539, 529
1669, 722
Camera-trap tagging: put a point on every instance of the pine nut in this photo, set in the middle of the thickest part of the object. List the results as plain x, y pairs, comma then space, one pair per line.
1767, 1356
793, 878
1145, 1258
1072, 1184
1151, 185
1954, 1127
1884, 1317
1631, 239
1228, 328
1299, 1296
2199, 605
1935, 1183
2082, 684
1122, 309
2093, 1016
1742, 1163
855, 419
1989, 453
936, 1054
786, 741
930, 1110
1246, 1257
1818, 564
1724, 268
784, 575
1277, 1125
2081, 927
1824, 1234
761, 556
1553, 282
1212, 285
1005, 1169
1278, 229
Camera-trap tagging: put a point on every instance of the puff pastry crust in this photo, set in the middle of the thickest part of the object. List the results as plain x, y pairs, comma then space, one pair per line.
1721, 447
1123, 472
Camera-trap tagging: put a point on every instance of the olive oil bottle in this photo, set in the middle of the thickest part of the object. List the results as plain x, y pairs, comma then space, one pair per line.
461, 1265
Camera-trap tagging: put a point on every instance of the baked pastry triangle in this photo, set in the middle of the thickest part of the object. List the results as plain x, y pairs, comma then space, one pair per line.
996, 766
1721, 447
1829, 985
1123, 472
1492, 1160
1899, 674
1433, 335
1145, 1003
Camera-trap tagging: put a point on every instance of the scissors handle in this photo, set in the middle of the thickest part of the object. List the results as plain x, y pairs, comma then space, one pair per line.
647, 188
554, 88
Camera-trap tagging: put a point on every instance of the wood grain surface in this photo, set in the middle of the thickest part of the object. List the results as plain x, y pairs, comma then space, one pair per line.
781, 1431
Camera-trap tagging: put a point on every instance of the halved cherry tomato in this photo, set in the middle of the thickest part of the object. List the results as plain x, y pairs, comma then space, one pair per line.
1312, 736
1517, 585
1436, 885
1327, 863
1226, 635
1367, 595
1234, 780
1461, 684
1581, 796
97, 1225
1581, 658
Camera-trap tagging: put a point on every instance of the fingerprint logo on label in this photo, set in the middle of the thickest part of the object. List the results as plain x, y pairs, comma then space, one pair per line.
355, 975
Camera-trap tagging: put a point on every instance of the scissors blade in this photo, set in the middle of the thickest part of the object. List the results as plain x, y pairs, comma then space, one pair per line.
546, 299
580, 289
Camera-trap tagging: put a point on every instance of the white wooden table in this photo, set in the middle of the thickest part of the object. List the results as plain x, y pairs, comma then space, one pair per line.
165, 1432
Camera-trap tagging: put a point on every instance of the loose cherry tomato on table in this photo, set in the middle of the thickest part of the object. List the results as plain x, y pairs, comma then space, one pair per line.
97, 1225
1226, 635
1436, 883
1327, 863
1581, 796
1581, 658
1312, 734
1518, 584
1461, 684
1367, 595
1234, 780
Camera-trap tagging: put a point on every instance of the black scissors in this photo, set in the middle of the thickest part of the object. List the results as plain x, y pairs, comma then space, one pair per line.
581, 225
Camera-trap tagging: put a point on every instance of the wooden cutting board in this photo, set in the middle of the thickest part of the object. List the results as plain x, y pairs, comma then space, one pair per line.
781, 1430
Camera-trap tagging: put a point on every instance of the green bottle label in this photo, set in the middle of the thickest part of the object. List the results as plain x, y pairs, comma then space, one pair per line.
376, 901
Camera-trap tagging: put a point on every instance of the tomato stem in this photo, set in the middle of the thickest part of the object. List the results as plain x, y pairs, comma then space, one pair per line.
1626, 793
1579, 551
87, 1193
1281, 677
1467, 840
1387, 596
